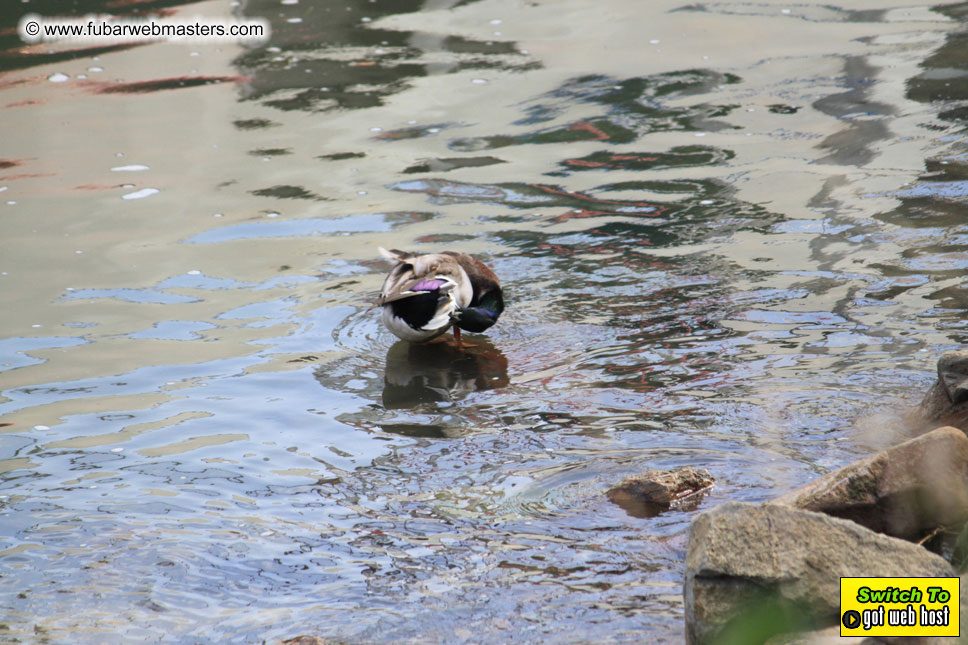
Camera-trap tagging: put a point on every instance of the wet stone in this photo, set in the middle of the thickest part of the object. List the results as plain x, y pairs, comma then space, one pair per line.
774, 569
906, 491
655, 491
946, 403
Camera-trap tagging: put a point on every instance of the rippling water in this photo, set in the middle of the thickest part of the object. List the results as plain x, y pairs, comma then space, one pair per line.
730, 234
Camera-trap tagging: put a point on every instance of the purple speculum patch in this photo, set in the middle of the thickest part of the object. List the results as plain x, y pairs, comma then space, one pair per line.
428, 285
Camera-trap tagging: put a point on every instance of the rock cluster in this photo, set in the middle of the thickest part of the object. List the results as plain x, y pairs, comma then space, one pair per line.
770, 573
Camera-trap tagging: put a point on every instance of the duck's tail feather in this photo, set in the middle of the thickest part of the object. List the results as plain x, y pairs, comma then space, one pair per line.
395, 255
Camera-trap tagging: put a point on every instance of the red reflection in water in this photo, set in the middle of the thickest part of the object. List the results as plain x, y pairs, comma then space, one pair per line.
614, 161
654, 209
96, 187
24, 103
584, 126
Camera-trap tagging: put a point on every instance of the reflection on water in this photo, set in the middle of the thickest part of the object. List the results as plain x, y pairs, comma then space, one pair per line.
331, 56
442, 371
716, 257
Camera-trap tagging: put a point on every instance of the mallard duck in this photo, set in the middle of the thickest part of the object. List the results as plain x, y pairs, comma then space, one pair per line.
424, 295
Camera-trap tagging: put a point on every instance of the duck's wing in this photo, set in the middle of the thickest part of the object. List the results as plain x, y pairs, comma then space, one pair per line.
420, 274
408, 288
422, 294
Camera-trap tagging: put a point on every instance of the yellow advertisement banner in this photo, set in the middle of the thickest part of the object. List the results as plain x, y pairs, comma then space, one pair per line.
899, 607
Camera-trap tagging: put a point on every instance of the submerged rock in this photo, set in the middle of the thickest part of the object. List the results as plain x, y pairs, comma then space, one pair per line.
828, 636
906, 491
753, 571
655, 491
946, 403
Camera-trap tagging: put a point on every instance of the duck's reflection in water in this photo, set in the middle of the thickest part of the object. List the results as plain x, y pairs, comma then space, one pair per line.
440, 371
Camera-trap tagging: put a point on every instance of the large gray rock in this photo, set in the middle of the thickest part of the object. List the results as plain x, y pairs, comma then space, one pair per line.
743, 555
946, 403
905, 491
